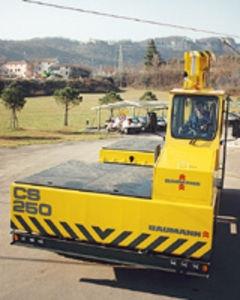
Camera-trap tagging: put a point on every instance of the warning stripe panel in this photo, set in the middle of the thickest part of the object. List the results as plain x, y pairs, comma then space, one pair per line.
38, 226
138, 240
13, 225
157, 242
203, 252
206, 256
161, 244
69, 230
120, 238
53, 227
85, 233
175, 245
195, 247
23, 223
103, 234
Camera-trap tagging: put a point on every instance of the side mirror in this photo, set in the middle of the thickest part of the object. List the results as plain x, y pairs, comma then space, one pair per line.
236, 128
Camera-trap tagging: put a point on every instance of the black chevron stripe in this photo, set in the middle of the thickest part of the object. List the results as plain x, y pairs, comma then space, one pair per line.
103, 234
38, 226
142, 237
54, 229
69, 230
13, 225
196, 246
120, 238
156, 243
85, 232
206, 256
174, 246
23, 223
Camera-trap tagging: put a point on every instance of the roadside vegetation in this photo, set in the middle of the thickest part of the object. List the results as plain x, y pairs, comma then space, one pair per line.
41, 120
14, 100
68, 97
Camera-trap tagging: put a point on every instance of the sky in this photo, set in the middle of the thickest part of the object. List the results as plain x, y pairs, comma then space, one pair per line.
20, 20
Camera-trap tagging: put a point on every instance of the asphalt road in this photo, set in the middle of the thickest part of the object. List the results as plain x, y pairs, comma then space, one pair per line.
29, 273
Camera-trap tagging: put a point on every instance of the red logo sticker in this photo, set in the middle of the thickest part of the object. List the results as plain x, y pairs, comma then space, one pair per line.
182, 179
205, 234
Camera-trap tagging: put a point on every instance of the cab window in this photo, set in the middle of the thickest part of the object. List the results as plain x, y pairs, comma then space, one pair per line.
194, 117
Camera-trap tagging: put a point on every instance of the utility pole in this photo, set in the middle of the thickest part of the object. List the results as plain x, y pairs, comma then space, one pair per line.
120, 65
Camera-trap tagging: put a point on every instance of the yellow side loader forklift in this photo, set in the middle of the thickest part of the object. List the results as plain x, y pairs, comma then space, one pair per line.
162, 217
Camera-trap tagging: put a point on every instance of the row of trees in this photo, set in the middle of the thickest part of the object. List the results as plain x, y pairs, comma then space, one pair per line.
33, 87
14, 99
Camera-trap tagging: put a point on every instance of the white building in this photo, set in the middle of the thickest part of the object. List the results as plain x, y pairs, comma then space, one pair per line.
21, 69
42, 67
67, 71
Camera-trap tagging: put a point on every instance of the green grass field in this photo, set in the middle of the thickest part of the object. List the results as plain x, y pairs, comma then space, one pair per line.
41, 120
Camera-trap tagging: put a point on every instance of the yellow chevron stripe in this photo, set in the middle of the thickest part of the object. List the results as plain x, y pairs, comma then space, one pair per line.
183, 247
94, 234
165, 244
78, 233
201, 251
20, 226
128, 240
44, 225
64, 231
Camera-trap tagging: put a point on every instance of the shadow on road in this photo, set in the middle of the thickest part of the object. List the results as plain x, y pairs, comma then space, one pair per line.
47, 261
224, 281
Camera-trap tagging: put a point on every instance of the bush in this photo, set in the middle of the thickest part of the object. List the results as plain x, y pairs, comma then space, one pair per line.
47, 87
110, 97
148, 96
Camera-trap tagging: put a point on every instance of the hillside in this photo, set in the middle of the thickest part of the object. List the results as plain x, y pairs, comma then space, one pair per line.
105, 53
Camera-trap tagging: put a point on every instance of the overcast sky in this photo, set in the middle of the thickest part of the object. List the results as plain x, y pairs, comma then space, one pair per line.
19, 20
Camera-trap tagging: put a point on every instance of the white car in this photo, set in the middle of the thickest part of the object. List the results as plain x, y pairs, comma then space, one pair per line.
131, 125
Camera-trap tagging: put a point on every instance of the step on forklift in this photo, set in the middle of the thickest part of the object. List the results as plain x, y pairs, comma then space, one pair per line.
162, 217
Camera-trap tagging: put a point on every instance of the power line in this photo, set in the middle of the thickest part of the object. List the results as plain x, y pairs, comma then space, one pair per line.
139, 20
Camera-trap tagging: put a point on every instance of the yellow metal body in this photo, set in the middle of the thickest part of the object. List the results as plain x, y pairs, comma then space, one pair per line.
196, 164
178, 219
142, 158
196, 69
117, 216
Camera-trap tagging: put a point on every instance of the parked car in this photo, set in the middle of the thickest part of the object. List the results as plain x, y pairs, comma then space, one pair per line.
131, 125
161, 123
233, 117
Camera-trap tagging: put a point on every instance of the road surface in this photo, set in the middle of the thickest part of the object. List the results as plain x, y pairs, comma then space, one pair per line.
33, 274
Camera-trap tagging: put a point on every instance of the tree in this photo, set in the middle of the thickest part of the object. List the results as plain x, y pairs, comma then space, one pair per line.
152, 57
148, 96
110, 97
13, 98
68, 97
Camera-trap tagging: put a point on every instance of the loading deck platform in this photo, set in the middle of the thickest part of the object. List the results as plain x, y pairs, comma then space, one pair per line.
134, 151
115, 179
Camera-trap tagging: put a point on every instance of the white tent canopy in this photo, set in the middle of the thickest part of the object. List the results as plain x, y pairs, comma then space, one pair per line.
116, 105
134, 104
153, 104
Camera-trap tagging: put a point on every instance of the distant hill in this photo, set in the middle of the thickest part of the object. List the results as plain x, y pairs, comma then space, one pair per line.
105, 53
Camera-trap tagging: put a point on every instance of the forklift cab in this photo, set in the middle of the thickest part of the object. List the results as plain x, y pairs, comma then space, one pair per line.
194, 117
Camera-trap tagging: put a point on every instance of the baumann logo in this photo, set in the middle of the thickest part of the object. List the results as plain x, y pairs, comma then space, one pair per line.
181, 181
180, 231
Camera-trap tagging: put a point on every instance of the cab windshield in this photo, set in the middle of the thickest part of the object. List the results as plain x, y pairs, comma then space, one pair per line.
194, 117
